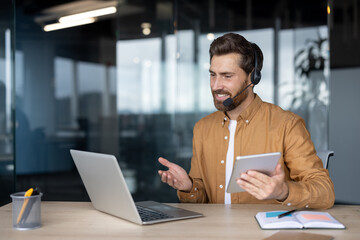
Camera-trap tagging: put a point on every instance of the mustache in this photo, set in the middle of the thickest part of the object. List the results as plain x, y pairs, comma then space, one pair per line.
221, 92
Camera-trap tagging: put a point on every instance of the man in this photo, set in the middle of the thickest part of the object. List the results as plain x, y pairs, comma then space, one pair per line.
245, 126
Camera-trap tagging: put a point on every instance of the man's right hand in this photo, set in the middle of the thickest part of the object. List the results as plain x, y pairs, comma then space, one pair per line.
175, 176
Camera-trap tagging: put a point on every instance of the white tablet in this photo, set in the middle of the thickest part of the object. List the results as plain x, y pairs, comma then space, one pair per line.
264, 163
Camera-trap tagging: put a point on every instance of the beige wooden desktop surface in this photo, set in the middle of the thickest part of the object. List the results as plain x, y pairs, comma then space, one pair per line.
79, 220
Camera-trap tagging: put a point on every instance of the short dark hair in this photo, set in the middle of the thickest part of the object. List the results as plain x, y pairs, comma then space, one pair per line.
235, 43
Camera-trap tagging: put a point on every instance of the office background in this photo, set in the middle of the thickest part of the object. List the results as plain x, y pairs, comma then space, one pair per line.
133, 84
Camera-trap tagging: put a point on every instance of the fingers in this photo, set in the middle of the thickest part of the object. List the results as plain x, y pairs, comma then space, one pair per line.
253, 186
162, 176
262, 186
279, 170
254, 183
165, 162
250, 188
255, 178
175, 176
166, 177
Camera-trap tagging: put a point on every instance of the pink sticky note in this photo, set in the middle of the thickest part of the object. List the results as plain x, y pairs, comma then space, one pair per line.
315, 217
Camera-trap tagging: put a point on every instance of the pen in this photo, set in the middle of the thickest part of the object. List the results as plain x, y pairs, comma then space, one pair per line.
27, 194
286, 213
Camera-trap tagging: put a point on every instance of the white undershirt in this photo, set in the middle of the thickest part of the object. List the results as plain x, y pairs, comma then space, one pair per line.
230, 159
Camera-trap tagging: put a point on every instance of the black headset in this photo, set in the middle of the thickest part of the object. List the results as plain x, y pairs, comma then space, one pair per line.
256, 74
255, 79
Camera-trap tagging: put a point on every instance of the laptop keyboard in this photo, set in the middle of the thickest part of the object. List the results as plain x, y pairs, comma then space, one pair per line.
147, 214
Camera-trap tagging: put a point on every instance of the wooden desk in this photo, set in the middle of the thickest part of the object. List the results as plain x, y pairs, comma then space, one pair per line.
79, 220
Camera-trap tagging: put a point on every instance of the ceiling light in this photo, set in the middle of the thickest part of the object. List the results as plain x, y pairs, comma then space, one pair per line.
146, 28
57, 26
146, 31
146, 25
210, 36
89, 14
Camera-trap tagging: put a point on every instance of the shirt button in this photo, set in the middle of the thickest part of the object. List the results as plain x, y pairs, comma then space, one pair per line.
225, 118
289, 204
221, 186
307, 206
222, 161
192, 195
247, 121
226, 137
195, 189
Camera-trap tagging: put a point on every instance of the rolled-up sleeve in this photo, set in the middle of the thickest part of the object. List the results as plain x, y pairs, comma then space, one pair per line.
198, 192
196, 195
309, 183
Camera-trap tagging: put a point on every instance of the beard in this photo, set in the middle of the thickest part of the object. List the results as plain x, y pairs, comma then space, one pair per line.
219, 105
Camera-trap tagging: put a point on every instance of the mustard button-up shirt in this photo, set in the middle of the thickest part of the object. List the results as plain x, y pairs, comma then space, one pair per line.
261, 128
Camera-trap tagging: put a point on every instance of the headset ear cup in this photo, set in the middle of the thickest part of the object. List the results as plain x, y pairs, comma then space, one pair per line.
255, 76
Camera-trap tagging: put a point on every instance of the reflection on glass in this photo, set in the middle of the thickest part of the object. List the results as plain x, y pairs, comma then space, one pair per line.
6, 101
138, 66
106, 87
304, 79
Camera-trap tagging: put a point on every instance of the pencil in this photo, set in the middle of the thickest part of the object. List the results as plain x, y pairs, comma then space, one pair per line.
27, 194
29, 206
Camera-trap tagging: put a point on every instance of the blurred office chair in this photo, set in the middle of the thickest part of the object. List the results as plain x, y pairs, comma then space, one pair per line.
325, 156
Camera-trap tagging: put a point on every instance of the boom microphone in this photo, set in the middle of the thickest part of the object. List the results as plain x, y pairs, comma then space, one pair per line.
230, 101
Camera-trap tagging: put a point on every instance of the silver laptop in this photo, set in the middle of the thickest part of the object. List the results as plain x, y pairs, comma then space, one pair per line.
108, 192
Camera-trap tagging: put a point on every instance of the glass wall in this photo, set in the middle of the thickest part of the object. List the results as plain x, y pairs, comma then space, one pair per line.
7, 33
134, 82
303, 88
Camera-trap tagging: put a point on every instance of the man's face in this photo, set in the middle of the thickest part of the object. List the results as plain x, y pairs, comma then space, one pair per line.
227, 79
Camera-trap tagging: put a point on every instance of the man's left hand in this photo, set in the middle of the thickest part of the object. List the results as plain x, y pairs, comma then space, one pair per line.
264, 187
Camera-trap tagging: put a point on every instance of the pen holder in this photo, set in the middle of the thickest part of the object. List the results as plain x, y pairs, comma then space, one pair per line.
26, 211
